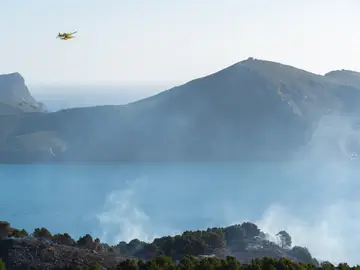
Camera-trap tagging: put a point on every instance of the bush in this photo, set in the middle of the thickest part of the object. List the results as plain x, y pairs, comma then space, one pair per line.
18, 233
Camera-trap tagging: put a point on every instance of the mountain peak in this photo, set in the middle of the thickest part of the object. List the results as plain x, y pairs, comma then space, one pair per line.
267, 63
11, 77
249, 59
345, 76
14, 93
342, 72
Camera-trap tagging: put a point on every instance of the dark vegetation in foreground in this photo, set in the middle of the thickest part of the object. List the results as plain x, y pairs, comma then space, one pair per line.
242, 246
192, 263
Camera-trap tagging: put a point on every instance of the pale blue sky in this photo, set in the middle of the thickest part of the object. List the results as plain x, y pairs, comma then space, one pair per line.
171, 42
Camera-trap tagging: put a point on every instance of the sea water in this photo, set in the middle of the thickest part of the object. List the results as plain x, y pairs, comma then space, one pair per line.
317, 203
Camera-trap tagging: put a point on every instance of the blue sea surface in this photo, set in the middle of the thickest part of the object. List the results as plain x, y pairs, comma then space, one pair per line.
124, 201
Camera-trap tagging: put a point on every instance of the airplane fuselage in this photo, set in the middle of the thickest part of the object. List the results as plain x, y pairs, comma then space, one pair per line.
66, 36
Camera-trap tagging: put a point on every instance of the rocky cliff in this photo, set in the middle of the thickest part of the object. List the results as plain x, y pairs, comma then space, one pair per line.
15, 96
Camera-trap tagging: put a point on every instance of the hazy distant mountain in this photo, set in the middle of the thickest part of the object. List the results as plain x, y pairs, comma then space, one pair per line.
57, 97
252, 110
15, 96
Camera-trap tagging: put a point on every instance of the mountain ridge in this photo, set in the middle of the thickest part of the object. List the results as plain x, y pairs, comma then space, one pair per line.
251, 110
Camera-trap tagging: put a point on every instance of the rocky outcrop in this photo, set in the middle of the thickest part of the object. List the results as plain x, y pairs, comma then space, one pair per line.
29, 252
15, 96
4, 229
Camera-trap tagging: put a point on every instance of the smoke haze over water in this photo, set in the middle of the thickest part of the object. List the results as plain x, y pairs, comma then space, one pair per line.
328, 228
316, 201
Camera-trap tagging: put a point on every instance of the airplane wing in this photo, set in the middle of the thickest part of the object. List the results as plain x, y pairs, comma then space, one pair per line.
73, 33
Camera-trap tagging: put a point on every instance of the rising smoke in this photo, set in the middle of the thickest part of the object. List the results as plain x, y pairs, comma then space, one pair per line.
325, 219
122, 217
329, 228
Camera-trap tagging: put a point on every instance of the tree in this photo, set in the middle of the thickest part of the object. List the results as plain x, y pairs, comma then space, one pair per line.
215, 240
4, 229
97, 244
127, 265
234, 234
285, 239
134, 246
251, 230
302, 253
42, 233
343, 266
147, 252
187, 263
232, 263
19, 233
95, 266
2, 265
164, 262
205, 264
121, 248
64, 239
327, 265
86, 241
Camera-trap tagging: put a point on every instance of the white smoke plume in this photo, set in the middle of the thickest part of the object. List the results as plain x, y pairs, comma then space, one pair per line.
122, 216
324, 220
329, 227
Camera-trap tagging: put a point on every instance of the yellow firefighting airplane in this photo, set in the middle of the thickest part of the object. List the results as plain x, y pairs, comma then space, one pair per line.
66, 36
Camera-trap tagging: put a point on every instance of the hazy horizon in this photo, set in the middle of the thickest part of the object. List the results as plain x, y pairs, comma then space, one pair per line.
57, 97
166, 43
